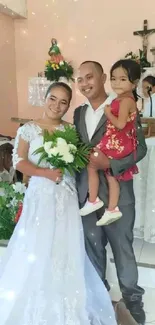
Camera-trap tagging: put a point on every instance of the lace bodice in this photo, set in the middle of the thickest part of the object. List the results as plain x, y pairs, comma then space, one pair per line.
32, 134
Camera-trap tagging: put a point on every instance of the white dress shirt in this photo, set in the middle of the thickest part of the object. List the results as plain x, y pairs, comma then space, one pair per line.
93, 117
147, 105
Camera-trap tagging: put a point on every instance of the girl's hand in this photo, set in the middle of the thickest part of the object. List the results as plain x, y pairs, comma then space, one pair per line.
54, 175
107, 110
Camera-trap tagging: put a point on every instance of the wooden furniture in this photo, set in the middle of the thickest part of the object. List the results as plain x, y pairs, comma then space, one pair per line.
148, 125
20, 121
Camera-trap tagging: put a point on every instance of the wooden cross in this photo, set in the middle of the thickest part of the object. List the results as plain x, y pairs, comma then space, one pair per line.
144, 34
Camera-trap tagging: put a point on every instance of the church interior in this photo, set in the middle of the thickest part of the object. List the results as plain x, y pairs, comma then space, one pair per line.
84, 30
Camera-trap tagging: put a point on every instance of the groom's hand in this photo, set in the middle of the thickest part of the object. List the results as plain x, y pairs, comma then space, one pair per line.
99, 160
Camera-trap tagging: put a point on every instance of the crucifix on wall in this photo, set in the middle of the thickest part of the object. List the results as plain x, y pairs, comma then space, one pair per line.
145, 33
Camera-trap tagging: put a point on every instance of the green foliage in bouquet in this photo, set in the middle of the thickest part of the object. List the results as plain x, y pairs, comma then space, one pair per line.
57, 67
11, 196
141, 59
64, 150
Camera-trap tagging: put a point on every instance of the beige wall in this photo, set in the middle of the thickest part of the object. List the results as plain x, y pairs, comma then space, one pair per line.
8, 88
18, 7
86, 29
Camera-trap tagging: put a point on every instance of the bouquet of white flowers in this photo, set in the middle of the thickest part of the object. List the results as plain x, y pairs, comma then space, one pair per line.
11, 200
63, 149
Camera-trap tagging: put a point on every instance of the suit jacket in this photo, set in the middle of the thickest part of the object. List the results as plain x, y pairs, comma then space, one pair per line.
117, 166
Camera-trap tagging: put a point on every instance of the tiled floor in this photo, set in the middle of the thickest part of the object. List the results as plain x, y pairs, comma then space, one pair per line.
145, 257
147, 254
149, 303
144, 252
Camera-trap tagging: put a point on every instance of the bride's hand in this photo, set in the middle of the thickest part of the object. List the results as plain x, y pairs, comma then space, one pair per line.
54, 175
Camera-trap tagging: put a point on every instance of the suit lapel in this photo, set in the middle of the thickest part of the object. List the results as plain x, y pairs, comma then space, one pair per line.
99, 131
83, 127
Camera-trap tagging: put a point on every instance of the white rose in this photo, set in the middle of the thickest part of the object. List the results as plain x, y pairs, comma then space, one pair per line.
63, 150
68, 157
2, 192
61, 142
47, 146
53, 152
61, 63
72, 147
19, 187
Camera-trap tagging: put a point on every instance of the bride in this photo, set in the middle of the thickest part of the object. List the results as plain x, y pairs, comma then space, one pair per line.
46, 277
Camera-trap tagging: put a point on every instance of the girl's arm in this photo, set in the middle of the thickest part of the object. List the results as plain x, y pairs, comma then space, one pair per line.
126, 106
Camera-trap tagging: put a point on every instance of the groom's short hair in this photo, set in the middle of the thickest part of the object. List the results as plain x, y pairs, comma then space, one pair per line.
97, 65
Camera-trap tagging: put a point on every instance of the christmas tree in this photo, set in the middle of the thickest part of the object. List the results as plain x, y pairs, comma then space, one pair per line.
57, 67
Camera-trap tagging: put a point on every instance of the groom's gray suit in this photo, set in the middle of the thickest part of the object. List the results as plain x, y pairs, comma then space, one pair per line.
120, 233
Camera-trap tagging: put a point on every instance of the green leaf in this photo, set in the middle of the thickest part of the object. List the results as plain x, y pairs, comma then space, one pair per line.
39, 150
42, 157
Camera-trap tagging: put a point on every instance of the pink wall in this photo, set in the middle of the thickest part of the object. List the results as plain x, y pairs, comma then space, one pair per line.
86, 29
8, 87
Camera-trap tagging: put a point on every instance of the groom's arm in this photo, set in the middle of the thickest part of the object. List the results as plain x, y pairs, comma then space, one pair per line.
119, 166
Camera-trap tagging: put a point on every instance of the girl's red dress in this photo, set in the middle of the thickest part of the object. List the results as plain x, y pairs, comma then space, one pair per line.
117, 144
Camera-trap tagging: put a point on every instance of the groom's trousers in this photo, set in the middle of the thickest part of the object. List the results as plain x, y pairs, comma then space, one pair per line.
120, 236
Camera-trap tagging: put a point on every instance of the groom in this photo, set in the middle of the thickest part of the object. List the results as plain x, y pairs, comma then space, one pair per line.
90, 122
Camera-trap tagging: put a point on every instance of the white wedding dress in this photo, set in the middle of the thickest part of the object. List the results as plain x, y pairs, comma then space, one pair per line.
46, 277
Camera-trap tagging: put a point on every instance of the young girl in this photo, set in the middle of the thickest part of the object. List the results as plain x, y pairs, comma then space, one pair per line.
148, 86
119, 139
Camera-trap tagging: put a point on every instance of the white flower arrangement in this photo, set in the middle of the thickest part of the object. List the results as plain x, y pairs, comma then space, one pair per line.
64, 150
19, 188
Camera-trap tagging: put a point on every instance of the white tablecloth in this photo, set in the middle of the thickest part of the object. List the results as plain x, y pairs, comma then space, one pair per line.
144, 187
5, 140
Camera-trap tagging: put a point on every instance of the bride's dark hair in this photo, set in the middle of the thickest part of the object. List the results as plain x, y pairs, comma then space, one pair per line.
60, 85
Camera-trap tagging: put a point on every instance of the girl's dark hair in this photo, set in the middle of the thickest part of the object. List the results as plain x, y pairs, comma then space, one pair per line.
132, 69
60, 85
150, 80
6, 151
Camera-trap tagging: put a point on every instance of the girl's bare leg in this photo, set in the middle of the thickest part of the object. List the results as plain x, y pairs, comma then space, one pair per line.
93, 183
114, 192
112, 213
